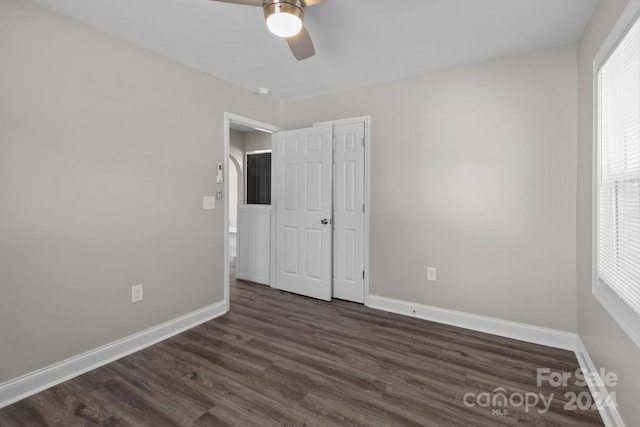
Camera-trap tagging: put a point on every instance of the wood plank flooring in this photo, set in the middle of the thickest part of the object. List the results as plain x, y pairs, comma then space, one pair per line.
279, 359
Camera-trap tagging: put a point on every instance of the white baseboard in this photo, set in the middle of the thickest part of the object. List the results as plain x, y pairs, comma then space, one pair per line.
34, 382
504, 328
490, 325
31, 383
610, 415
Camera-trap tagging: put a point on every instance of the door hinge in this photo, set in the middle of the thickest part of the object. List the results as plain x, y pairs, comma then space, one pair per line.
362, 139
362, 274
363, 208
333, 143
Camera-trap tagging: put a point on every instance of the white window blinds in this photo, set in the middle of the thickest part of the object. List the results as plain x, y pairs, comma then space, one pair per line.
618, 209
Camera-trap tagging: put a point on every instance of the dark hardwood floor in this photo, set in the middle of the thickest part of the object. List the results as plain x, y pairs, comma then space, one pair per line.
280, 359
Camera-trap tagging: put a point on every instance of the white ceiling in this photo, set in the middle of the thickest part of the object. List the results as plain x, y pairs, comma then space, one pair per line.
358, 42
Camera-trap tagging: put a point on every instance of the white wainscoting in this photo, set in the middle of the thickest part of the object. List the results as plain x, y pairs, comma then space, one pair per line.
253, 262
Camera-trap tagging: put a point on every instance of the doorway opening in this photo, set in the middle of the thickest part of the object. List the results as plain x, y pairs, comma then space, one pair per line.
348, 276
236, 184
242, 137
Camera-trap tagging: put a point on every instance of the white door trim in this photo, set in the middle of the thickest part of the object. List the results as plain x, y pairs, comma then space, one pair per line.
265, 127
367, 190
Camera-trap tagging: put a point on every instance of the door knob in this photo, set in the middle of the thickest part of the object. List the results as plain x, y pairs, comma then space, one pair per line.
324, 221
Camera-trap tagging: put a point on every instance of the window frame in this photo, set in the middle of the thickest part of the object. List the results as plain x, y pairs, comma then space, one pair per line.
624, 315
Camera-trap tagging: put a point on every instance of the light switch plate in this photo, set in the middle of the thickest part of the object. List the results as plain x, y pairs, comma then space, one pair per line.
208, 203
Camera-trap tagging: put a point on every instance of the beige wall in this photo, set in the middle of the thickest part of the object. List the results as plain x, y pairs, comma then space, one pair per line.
609, 347
257, 141
236, 145
473, 172
106, 150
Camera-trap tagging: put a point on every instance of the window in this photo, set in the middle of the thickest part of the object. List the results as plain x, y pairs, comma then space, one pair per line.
617, 213
259, 179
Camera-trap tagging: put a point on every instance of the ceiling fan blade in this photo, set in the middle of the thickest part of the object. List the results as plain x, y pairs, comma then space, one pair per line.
245, 2
301, 45
313, 2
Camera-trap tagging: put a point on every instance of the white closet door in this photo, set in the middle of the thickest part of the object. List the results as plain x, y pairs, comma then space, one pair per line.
348, 205
303, 200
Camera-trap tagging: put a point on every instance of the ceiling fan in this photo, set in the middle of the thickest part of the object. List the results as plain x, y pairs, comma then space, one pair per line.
284, 19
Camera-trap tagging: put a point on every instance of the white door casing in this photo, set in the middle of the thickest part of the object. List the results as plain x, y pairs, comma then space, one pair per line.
303, 205
348, 206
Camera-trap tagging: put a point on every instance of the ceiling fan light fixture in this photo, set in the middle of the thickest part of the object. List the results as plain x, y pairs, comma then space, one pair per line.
284, 18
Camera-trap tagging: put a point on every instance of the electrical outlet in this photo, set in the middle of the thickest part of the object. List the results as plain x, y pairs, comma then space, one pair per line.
431, 273
136, 293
